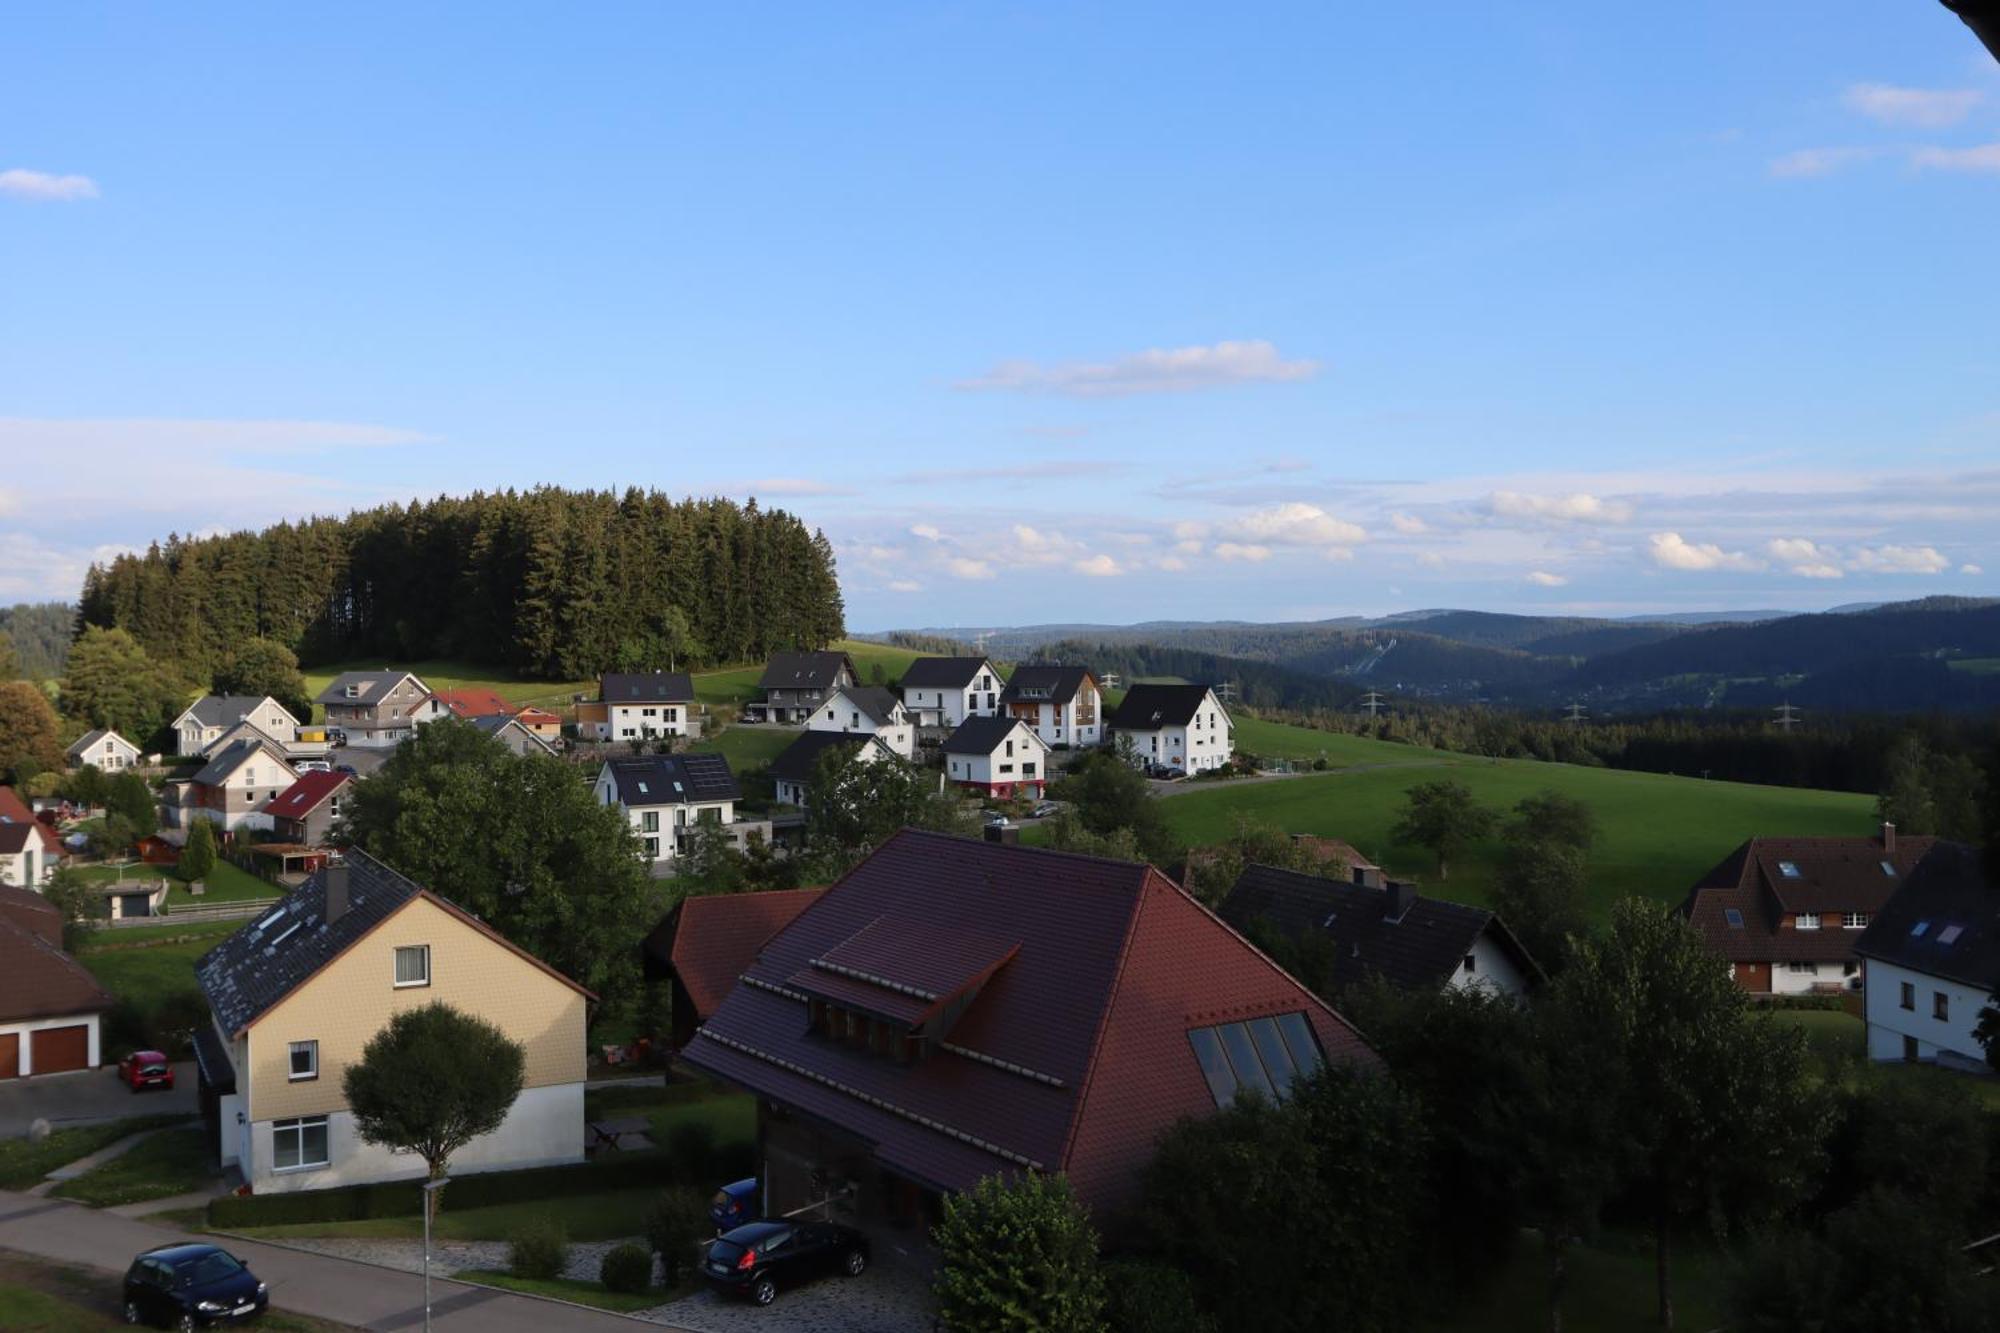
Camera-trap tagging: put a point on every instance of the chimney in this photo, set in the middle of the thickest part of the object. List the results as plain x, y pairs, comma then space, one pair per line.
1398, 898
1888, 837
336, 892
1368, 877
1007, 835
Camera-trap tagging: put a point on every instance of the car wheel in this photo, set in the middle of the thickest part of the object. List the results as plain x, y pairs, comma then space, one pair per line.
764, 1292
856, 1264
132, 1312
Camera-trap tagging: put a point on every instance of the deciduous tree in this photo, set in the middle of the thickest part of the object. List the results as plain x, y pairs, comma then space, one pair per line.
1016, 1254
110, 681
1540, 892
858, 804
30, 736
1107, 795
266, 667
1444, 817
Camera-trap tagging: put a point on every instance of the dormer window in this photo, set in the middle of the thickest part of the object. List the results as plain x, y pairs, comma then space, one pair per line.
351, 691
1889, 869
1917, 931
1806, 921
1733, 917
1854, 921
1789, 869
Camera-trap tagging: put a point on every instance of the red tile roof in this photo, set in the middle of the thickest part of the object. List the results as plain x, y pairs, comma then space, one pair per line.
305, 795
14, 810
711, 940
32, 912
474, 701
1074, 1054
39, 980
1834, 876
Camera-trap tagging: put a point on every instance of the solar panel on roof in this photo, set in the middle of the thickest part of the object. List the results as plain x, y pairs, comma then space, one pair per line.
1919, 929
1950, 934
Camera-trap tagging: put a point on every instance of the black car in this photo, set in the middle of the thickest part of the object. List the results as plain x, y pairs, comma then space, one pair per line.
756, 1259
191, 1286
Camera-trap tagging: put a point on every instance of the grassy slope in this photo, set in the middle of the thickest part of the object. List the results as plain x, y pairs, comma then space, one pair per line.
24, 1162
582, 1293
176, 1162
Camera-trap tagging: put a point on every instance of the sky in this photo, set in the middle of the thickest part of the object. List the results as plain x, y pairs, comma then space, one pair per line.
1044, 313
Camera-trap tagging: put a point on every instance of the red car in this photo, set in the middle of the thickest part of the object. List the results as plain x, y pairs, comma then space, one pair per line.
146, 1069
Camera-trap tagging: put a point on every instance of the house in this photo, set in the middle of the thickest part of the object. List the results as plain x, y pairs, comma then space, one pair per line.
792, 771
49, 1004
1063, 704
1786, 913
870, 709
102, 749
998, 757
944, 691
232, 787
199, 730
295, 996
510, 733
645, 703
307, 812
665, 795
541, 722
473, 701
1933, 961
1379, 927
1175, 726
708, 941
794, 684
953, 1009
29, 849
378, 709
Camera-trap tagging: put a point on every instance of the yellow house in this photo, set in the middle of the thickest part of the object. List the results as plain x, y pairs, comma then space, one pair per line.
295, 996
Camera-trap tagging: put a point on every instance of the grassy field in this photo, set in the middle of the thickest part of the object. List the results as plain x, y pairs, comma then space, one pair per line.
1839, 1043
1610, 1291
441, 674
1281, 740
24, 1162
179, 1161
736, 685
154, 976
747, 747
225, 883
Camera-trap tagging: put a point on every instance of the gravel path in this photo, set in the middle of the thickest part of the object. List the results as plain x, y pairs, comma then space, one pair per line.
885, 1299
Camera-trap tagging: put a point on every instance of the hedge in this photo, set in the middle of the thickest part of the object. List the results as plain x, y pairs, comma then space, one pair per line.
360, 1203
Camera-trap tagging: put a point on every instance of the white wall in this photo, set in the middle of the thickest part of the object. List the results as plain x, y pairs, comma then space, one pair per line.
1492, 967
671, 817
841, 714
1889, 1022
988, 769
28, 868
95, 1055
627, 721
543, 1128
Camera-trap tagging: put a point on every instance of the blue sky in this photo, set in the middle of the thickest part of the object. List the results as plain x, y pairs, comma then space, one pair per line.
1044, 313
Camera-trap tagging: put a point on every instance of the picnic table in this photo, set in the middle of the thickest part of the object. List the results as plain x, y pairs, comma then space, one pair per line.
607, 1133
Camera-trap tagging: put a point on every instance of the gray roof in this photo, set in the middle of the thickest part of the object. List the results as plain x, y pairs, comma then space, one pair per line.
232, 757
798, 760
377, 683
1948, 889
944, 673
495, 723
1045, 683
224, 710
646, 687
982, 735
271, 957
673, 779
877, 703
89, 739
804, 671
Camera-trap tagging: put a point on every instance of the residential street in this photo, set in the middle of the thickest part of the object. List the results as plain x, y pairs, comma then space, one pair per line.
311, 1284
88, 1096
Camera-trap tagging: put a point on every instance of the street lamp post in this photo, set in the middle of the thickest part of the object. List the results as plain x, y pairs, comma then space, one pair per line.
431, 1187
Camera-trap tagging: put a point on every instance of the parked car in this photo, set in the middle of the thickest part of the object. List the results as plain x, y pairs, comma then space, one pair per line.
312, 766
192, 1286
755, 1260
146, 1069
336, 736
997, 820
734, 1204
348, 769
1043, 809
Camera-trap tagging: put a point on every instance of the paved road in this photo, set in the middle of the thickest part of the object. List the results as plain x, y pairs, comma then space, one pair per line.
311, 1284
88, 1096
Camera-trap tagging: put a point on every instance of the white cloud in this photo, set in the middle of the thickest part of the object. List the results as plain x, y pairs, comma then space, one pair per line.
1408, 524
1808, 559
1900, 560
963, 568
1430, 559
1542, 578
928, 531
1173, 564
1156, 370
1970, 569
1294, 524
1098, 566
1809, 162
1238, 551
44, 187
1983, 158
1578, 507
1029, 537
1670, 551
1928, 108
905, 585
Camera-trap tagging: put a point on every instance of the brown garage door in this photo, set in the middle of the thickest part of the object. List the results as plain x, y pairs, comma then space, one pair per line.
53, 1050
10, 1055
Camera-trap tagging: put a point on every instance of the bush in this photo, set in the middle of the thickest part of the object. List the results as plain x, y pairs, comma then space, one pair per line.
627, 1268
538, 1250
690, 1149
676, 1221
1145, 1296
1018, 1253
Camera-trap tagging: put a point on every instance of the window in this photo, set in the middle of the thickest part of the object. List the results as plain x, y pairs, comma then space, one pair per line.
1806, 921
1010, 749
1917, 931
413, 965
1941, 1006
1950, 934
649, 822
1006, 768
1264, 1055
1803, 969
1889, 869
1789, 869
305, 1060
1470, 964
1909, 997
1734, 917
1854, 921
298, 1144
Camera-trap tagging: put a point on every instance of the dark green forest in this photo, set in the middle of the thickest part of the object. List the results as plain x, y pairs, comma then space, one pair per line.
547, 583
40, 634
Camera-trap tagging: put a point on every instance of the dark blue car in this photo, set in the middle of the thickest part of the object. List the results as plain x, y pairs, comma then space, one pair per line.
191, 1286
734, 1204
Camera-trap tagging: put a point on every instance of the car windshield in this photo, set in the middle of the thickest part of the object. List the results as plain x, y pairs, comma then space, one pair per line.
153, 1067
207, 1268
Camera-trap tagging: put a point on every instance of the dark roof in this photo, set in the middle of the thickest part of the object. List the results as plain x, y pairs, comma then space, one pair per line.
494, 723
1948, 888
673, 779
646, 687
796, 762
305, 795
1834, 876
982, 735
944, 673
1150, 707
32, 912
1420, 951
1078, 980
375, 683
711, 939
804, 671
877, 703
14, 835
233, 756
1045, 684
224, 710
39, 980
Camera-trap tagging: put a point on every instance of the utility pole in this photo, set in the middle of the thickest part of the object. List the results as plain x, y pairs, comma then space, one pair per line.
1226, 691
1787, 716
1576, 713
1374, 703
1110, 680
979, 640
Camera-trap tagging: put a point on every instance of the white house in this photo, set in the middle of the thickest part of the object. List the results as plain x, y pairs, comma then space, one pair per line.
233, 787
665, 795
791, 773
869, 710
1933, 961
103, 749
208, 718
1063, 704
645, 703
944, 691
1175, 726
997, 757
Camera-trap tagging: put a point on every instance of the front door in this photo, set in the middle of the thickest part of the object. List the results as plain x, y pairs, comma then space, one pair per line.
1754, 977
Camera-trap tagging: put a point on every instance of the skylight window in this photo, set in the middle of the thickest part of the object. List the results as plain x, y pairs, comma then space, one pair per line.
1950, 934
1889, 868
1789, 869
1264, 1055
290, 931
1917, 930
272, 919
1734, 917
642, 789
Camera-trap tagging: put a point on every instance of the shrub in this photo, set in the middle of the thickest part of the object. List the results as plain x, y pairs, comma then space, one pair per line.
627, 1268
676, 1221
538, 1250
1146, 1296
1018, 1253
690, 1149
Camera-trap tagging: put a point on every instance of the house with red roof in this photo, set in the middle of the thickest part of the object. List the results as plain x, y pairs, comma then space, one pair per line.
306, 812
473, 701
706, 942
1786, 913
954, 1008
29, 849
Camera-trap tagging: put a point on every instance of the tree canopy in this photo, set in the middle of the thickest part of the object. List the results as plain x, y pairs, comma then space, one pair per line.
112, 681
1445, 817
266, 667
30, 735
858, 804
1016, 1254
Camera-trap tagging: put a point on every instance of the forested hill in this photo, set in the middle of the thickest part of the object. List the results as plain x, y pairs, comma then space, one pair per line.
552, 583
39, 634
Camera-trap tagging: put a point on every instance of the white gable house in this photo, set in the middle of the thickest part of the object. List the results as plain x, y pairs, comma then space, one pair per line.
792, 772
944, 691
201, 728
1062, 703
665, 796
106, 750
868, 710
998, 757
1175, 727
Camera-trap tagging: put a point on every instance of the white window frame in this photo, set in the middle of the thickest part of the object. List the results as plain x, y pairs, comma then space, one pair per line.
311, 1050
397, 966
296, 1128
1806, 921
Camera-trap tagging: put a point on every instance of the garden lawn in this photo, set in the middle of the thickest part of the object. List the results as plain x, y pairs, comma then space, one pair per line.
178, 1161
1282, 740
37, 1296
1657, 834
582, 1293
731, 1115
224, 884
738, 685
24, 1162
153, 979
604, 1215
1839, 1042
1610, 1290
442, 674
746, 747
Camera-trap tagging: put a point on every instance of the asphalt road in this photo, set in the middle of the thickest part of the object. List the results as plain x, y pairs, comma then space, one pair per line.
319, 1285
89, 1096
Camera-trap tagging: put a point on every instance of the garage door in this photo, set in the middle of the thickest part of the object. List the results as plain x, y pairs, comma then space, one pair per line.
53, 1050
10, 1055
